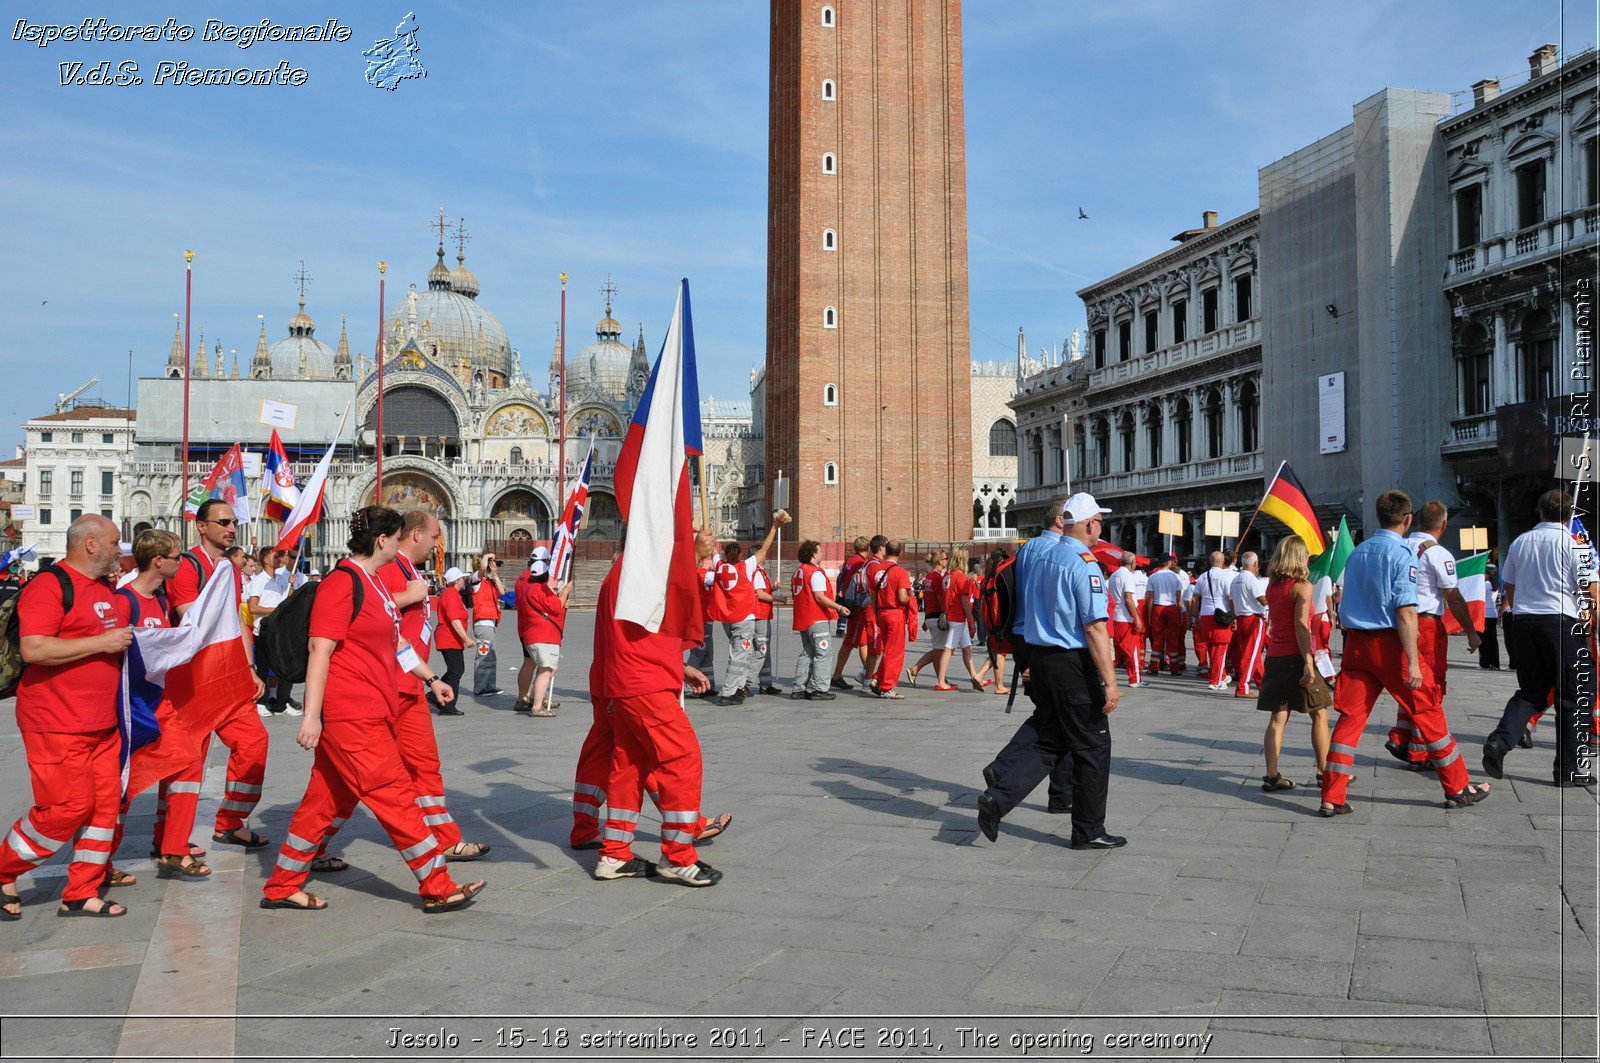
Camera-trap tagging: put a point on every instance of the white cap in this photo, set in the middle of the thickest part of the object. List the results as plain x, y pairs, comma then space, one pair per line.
452, 574
316, 572
1080, 507
539, 554
538, 567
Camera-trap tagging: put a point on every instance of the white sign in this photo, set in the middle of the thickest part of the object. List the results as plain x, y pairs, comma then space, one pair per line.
275, 414
1330, 413
23, 513
252, 464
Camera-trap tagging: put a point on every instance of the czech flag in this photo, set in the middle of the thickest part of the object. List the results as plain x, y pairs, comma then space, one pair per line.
659, 584
1287, 502
181, 683
277, 481
571, 518
225, 481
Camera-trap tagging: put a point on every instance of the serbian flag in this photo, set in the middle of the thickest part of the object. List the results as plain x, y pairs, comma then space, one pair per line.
1287, 502
571, 518
225, 481
659, 584
308, 508
179, 684
277, 481
1110, 556
1472, 582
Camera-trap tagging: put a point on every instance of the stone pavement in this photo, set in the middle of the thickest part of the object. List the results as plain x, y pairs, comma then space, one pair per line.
1235, 924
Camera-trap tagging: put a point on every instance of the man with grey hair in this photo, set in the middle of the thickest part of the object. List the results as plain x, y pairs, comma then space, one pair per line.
1213, 594
1246, 659
72, 642
1127, 621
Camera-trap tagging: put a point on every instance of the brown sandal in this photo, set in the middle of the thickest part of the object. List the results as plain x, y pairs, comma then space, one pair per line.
313, 903
459, 899
115, 878
1272, 783
463, 852
7, 902
181, 867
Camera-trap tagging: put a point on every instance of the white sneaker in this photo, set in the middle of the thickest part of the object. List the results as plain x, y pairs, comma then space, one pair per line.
290, 710
608, 869
1216, 686
1137, 686
699, 873
262, 710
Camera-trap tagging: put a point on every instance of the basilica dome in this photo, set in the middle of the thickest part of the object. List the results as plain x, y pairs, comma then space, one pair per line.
604, 366
300, 355
449, 319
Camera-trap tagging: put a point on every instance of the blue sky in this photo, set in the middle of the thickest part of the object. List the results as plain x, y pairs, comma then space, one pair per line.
630, 138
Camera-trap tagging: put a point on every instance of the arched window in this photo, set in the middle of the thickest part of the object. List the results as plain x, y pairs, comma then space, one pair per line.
830, 394
1125, 437
1475, 361
1249, 417
830, 240
1002, 439
828, 90
829, 163
827, 17
1102, 447
830, 473
996, 516
516, 455
1182, 420
1536, 345
830, 317
1152, 431
977, 514
1212, 414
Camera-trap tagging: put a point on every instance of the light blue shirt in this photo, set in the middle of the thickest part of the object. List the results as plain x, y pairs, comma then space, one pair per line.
1066, 592
1029, 552
1379, 578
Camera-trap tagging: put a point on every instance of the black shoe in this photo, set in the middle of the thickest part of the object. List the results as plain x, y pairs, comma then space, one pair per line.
1105, 841
1060, 808
1494, 761
840, 684
293, 704
446, 710
770, 690
487, 693
1397, 751
1526, 741
822, 695
990, 776
735, 700
988, 817
522, 708
799, 695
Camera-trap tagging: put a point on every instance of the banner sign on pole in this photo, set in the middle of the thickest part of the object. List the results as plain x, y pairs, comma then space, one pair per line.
1169, 523
275, 414
1474, 540
1222, 523
1330, 411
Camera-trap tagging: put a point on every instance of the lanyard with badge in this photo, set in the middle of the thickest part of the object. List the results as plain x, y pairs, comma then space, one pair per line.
404, 654
411, 574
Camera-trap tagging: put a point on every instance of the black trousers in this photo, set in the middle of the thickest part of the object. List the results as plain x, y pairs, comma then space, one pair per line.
1508, 622
455, 666
1552, 654
1068, 724
1489, 651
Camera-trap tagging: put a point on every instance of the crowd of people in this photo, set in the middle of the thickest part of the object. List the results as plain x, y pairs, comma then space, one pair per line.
1052, 612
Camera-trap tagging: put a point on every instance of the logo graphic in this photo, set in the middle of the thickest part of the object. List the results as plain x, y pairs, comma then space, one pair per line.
395, 60
1413, 573
1450, 567
1094, 583
101, 609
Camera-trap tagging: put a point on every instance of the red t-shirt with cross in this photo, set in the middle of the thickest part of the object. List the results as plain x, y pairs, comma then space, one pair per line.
363, 674
808, 582
78, 697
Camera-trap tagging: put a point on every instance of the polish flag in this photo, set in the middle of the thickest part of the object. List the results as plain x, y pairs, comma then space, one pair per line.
180, 683
659, 585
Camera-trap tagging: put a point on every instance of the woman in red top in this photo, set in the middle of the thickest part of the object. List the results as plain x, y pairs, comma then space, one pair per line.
541, 619
451, 637
352, 697
1291, 683
960, 615
933, 593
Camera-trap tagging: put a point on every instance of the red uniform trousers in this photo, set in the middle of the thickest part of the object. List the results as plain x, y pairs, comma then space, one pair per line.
1216, 640
1166, 622
1433, 653
1202, 649
1125, 640
1373, 662
1321, 631
653, 743
1250, 636
77, 790
1145, 613
594, 774
892, 644
246, 738
862, 630
177, 803
359, 761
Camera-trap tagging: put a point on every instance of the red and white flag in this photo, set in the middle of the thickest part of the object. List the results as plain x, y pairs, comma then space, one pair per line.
658, 587
571, 518
308, 509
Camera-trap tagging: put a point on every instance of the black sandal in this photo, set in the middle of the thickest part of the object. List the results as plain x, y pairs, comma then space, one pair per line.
69, 909
1336, 810
231, 837
327, 865
466, 892
1470, 796
715, 827
317, 904
6, 901
1273, 783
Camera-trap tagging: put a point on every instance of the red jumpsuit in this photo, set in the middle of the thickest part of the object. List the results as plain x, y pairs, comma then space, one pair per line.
67, 714
1250, 664
1433, 654
861, 629
1211, 645
243, 732
358, 758
894, 621
636, 679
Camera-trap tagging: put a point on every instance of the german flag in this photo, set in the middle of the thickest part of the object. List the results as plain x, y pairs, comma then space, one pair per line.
1287, 502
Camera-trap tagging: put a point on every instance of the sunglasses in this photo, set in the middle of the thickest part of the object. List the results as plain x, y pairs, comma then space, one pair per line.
172, 557
226, 522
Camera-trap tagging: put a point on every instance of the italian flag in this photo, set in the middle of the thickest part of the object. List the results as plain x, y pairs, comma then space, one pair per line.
1474, 588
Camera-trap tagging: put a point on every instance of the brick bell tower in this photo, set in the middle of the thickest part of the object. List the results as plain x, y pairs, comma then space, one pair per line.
868, 354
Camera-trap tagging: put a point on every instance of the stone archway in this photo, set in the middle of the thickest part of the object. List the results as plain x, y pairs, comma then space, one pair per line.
523, 510
602, 518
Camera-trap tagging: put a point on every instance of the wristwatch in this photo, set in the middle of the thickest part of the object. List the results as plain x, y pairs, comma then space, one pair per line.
432, 679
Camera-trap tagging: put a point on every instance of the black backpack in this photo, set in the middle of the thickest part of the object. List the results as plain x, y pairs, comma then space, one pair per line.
284, 644
856, 594
998, 602
11, 662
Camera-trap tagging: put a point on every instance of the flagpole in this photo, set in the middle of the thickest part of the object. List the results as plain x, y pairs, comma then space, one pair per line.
561, 432
377, 495
1263, 502
188, 292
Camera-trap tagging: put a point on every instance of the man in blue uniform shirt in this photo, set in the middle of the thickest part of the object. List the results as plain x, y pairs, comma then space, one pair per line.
1062, 614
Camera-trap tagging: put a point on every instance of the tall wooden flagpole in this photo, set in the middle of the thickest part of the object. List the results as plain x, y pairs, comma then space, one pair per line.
377, 496
188, 293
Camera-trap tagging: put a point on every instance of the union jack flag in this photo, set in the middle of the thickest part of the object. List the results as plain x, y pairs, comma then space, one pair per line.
571, 518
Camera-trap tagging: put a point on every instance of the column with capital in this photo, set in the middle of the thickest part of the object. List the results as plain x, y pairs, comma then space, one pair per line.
1224, 293
1503, 385
1141, 437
